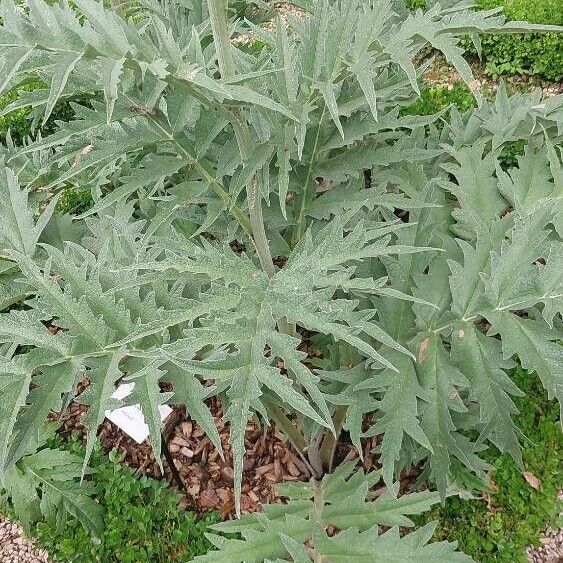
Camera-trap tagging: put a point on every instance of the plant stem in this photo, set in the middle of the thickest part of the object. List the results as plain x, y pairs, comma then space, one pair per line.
215, 184
218, 15
223, 47
301, 221
314, 457
280, 418
328, 447
318, 503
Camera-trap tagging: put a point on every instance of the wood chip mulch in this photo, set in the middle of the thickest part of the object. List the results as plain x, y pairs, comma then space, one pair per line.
208, 479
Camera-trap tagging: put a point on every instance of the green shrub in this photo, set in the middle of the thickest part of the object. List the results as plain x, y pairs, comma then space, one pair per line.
500, 526
142, 521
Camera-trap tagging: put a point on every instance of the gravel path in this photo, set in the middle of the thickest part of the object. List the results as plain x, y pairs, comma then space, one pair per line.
15, 547
441, 73
550, 550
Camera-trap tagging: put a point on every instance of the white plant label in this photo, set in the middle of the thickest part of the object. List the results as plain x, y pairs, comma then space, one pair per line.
130, 419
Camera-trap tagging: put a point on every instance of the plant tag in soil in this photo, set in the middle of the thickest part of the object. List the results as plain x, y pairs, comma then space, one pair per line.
130, 419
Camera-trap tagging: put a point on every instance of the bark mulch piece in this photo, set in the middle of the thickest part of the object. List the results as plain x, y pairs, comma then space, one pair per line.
15, 547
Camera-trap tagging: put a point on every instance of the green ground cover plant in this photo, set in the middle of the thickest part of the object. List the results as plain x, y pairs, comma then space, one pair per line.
19, 122
531, 53
143, 522
16, 122
20, 125
512, 514
434, 99
421, 268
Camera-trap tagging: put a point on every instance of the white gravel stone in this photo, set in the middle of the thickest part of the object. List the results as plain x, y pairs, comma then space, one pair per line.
16, 548
550, 549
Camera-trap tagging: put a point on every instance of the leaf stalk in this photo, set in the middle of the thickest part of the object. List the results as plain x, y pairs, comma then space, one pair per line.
218, 16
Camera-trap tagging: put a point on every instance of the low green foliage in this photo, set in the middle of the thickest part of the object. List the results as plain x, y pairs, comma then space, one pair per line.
74, 201
20, 122
540, 54
16, 121
413, 4
532, 53
498, 527
46, 486
436, 98
142, 521
540, 11
509, 155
